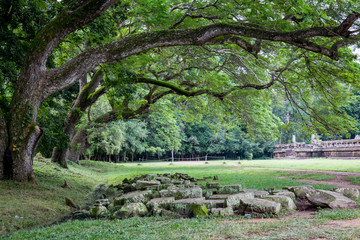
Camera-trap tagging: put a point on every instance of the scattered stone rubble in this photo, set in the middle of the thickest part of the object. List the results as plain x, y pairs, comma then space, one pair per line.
180, 195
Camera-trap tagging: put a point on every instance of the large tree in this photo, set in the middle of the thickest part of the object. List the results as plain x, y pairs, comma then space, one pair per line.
321, 27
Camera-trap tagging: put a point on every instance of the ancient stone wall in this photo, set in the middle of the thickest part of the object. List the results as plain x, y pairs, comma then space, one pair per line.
329, 149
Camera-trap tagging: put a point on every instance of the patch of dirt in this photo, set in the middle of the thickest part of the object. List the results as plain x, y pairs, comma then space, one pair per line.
338, 181
353, 223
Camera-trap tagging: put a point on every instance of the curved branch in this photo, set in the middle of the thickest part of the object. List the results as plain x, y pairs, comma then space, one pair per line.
77, 15
68, 73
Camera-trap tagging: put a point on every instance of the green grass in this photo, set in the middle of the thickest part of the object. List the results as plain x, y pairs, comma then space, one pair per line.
44, 203
314, 176
309, 164
338, 214
353, 179
195, 228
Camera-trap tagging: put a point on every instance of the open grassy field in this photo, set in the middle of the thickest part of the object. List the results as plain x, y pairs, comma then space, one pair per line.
351, 165
29, 206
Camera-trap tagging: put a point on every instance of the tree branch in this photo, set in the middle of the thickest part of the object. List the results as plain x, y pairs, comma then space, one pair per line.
64, 76
77, 15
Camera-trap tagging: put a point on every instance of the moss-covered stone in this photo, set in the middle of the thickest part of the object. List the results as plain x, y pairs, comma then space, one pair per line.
323, 198
131, 210
212, 185
102, 202
219, 196
199, 210
207, 193
194, 192
285, 193
151, 177
160, 203
81, 214
229, 189
142, 185
228, 211
98, 211
285, 201
259, 206
257, 193
182, 206
351, 193
164, 180
138, 196
301, 191
233, 201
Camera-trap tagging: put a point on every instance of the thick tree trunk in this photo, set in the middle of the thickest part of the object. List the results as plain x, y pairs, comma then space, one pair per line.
78, 145
22, 158
4, 140
59, 154
82, 102
24, 134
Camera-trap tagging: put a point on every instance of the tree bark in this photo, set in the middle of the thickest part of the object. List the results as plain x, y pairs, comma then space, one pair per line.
4, 140
81, 103
78, 145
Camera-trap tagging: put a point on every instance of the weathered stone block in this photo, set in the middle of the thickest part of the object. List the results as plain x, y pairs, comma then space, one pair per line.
160, 202
141, 185
257, 193
301, 191
285, 201
229, 189
81, 214
233, 201
138, 196
194, 192
131, 210
223, 211
98, 211
199, 210
212, 185
351, 193
219, 196
102, 202
164, 180
285, 193
259, 206
177, 182
151, 177
182, 206
207, 193
323, 198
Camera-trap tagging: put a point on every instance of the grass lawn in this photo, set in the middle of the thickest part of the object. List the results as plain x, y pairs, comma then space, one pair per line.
192, 229
25, 206
352, 165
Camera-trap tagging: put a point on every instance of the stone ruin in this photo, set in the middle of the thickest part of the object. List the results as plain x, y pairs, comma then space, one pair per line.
329, 149
179, 195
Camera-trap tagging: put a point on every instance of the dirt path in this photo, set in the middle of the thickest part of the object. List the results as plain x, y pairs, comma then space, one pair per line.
338, 181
